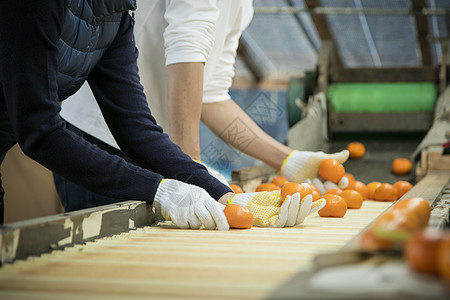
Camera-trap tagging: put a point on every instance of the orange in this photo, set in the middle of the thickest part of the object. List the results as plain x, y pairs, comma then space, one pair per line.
236, 189
330, 169
349, 176
385, 192
396, 225
267, 187
369, 241
333, 191
238, 216
371, 187
401, 166
315, 192
335, 207
421, 251
359, 187
419, 206
291, 188
443, 258
402, 187
315, 195
279, 180
353, 198
314, 188
356, 150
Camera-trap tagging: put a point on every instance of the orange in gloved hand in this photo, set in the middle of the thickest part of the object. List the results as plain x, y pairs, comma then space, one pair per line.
330, 169
236, 189
291, 188
335, 207
279, 180
238, 216
267, 187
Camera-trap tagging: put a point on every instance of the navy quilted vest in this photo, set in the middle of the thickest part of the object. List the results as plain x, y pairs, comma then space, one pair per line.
89, 28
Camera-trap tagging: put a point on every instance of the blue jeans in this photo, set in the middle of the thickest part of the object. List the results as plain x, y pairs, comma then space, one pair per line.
7, 140
74, 197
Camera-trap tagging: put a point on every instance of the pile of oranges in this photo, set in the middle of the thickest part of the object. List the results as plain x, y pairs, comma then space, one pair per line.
402, 227
349, 195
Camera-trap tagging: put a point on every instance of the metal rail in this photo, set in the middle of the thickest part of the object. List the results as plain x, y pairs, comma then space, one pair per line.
351, 11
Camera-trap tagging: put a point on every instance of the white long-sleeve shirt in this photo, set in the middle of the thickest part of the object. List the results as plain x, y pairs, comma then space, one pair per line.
174, 31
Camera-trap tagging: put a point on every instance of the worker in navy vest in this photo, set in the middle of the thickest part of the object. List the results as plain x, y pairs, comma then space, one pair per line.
48, 49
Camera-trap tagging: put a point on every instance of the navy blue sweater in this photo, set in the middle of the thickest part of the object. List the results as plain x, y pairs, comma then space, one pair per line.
29, 31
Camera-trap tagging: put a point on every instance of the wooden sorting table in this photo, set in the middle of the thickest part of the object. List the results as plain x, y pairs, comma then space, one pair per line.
154, 262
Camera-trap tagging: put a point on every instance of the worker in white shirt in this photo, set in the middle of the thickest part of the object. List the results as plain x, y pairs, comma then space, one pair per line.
187, 52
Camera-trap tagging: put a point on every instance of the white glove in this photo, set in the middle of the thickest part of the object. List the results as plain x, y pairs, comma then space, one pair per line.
214, 172
302, 165
189, 206
328, 185
269, 211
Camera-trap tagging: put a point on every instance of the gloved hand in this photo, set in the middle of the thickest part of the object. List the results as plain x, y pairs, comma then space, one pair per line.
327, 185
214, 172
189, 206
302, 165
269, 210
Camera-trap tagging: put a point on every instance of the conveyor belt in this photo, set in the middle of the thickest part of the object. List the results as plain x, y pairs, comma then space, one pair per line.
166, 262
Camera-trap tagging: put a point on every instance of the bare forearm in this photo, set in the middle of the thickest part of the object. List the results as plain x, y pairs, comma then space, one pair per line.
184, 91
229, 122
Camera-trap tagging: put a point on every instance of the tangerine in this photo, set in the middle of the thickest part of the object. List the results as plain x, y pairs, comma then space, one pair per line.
356, 150
419, 206
402, 187
314, 188
335, 207
353, 198
291, 188
371, 187
267, 187
332, 170
385, 192
396, 225
333, 191
421, 251
236, 189
315, 195
401, 166
279, 180
359, 187
443, 258
238, 216
349, 176
369, 241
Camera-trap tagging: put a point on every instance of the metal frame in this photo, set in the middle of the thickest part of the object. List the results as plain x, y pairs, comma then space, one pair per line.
33, 237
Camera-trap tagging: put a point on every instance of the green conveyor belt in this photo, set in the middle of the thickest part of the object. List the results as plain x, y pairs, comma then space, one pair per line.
382, 97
